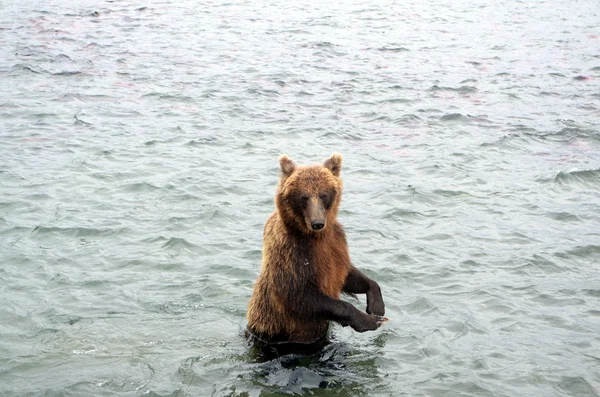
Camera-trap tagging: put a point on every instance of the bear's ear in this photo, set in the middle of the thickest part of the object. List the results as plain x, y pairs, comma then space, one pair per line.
287, 165
334, 164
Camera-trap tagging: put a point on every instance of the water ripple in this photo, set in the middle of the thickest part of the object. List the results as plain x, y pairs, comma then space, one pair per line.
138, 164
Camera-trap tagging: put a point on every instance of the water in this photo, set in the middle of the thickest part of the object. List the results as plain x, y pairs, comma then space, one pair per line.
138, 163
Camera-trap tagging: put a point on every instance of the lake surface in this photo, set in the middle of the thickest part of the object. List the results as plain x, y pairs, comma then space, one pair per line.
138, 164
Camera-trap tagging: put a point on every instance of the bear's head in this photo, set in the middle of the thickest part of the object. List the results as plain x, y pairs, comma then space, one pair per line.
308, 197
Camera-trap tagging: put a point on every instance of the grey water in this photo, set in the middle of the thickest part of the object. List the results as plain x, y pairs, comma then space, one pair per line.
138, 163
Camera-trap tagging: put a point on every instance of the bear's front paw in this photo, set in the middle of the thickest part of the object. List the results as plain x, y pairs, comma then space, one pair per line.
368, 322
376, 307
375, 303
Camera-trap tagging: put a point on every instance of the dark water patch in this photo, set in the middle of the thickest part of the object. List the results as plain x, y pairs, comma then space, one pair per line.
592, 292
576, 386
437, 237
563, 217
553, 301
587, 252
68, 73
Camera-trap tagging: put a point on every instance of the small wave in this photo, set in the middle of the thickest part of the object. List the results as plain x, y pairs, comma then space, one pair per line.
202, 141
549, 93
140, 187
577, 386
396, 100
450, 193
592, 292
79, 121
169, 97
153, 142
553, 301
437, 237
421, 305
67, 73
319, 44
455, 117
76, 231
400, 214
578, 176
262, 92
586, 251
569, 134
82, 97
563, 216
25, 67
462, 89
408, 119
178, 242
393, 49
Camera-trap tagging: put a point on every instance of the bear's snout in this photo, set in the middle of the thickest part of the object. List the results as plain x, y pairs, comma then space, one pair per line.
315, 215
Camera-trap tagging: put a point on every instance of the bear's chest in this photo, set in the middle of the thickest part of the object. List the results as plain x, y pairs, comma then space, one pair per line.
331, 267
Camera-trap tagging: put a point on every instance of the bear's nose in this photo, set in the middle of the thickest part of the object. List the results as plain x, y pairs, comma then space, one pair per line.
317, 225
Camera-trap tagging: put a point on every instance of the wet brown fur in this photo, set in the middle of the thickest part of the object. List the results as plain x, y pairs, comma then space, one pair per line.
304, 270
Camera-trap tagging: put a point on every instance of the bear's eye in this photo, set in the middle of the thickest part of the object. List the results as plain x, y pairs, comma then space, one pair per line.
304, 198
327, 198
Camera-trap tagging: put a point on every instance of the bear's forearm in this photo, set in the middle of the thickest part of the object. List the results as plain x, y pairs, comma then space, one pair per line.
309, 304
329, 309
357, 283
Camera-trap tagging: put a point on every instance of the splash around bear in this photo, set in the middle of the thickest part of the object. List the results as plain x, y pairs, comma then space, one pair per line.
306, 265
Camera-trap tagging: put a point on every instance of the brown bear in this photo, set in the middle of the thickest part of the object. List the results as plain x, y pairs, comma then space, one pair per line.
305, 262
